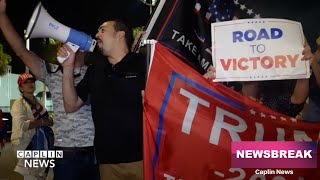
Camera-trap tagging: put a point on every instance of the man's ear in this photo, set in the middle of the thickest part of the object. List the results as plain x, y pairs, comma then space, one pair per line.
121, 34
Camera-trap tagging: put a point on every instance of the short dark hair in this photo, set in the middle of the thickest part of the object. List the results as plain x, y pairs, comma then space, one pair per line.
120, 25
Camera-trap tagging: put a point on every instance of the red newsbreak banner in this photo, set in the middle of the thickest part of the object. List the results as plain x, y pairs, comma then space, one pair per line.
274, 154
190, 122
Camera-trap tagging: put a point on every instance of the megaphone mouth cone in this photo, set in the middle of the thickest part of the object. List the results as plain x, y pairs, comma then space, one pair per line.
42, 25
33, 20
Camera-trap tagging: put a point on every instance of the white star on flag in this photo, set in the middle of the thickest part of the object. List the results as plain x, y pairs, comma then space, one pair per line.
293, 119
242, 6
236, 2
252, 111
208, 15
262, 115
257, 16
283, 119
272, 117
249, 11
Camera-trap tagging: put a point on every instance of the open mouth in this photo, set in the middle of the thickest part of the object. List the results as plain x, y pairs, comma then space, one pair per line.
99, 41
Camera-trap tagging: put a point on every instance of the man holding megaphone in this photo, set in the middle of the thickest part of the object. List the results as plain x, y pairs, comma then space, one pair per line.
113, 88
74, 132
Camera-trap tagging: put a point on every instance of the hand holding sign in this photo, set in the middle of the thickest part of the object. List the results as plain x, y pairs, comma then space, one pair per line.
211, 73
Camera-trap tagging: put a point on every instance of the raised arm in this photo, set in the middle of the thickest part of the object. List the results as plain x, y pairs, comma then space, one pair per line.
137, 40
16, 42
71, 100
301, 90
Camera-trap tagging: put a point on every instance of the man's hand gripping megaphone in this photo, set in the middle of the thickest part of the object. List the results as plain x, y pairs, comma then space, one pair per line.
62, 57
66, 55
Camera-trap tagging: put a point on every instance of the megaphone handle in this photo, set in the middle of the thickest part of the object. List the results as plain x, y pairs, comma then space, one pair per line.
73, 47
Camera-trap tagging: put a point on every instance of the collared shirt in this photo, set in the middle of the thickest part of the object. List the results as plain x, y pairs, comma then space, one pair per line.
74, 129
115, 95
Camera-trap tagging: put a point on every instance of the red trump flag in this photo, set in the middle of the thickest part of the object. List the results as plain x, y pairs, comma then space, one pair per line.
190, 123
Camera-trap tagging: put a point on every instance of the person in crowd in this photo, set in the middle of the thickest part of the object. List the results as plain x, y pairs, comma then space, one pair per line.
282, 100
30, 126
113, 88
312, 113
74, 132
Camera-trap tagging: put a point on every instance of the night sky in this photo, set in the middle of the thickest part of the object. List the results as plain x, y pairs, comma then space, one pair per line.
83, 15
87, 15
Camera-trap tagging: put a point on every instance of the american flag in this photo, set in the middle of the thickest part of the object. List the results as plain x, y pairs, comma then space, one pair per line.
184, 26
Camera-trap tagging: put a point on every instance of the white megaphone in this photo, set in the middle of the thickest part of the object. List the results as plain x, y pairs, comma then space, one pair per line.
42, 25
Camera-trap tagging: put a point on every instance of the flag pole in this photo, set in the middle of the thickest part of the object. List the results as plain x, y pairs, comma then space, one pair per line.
148, 57
154, 13
150, 44
150, 6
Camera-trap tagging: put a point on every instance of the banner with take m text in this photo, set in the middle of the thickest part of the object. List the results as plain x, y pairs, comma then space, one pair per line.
190, 122
184, 26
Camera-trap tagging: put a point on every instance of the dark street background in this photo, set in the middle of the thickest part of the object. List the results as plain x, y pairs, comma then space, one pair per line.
87, 15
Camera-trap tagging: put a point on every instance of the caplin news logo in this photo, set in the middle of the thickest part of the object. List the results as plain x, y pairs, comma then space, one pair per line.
39, 158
